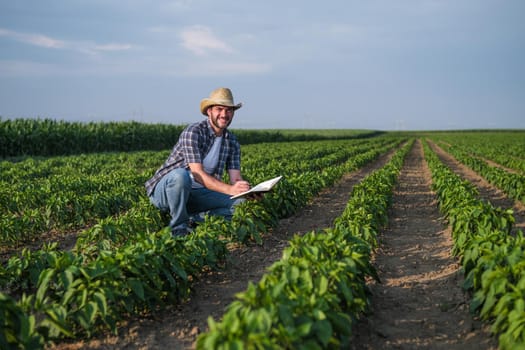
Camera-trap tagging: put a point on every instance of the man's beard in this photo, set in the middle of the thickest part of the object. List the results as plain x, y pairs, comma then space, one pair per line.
215, 122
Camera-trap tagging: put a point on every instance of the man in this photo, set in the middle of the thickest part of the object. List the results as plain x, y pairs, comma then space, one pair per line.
189, 182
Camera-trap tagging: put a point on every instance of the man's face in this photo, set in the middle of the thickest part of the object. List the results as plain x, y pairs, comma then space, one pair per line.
220, 117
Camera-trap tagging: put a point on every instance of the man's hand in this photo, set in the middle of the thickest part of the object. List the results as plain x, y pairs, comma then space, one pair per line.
240, 187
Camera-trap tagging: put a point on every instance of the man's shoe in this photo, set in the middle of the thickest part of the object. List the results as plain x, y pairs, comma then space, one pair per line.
195, 220
193, 224
180, 232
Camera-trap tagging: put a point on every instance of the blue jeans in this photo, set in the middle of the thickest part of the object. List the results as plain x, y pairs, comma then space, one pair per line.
174, 194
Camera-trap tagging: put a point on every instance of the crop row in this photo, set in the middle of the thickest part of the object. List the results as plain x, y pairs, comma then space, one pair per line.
73, 192
513, 184
493, 259
120, 225
311, 297
504, 148
49, 137
129, 270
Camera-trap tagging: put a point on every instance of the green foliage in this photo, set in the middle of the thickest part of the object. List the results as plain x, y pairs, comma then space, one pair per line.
493, 258
125, 262
49, 137
311, 297
504, 147
17, 328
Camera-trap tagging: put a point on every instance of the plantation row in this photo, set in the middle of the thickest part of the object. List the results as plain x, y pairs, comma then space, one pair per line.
504, 148
313, 295
68, 193
513, 184
126, 263
311, 298
492, 258
49, 137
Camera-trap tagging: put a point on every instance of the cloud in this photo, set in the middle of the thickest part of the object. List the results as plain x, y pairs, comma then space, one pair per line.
201, 40
209, 55
45, 41
113, 47
33, 39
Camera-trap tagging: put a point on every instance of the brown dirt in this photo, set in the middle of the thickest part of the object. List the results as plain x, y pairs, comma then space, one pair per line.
419, 304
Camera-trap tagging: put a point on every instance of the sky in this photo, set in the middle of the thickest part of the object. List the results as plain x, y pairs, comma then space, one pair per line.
345, 64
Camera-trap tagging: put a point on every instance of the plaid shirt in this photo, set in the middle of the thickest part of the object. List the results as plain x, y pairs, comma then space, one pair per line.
194, 143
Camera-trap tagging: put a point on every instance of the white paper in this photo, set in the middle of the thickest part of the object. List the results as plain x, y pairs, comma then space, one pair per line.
264, 186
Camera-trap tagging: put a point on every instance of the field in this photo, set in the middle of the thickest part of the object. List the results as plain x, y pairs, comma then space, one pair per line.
372, 240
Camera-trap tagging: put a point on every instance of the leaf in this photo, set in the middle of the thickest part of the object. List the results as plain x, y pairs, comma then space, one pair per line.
235, 344
66, 278
101, 301
341, 322
84, 297
277, 289
304, 329
264, 321
137, 287
323, 329
285, 315
71, 291
43, 283
492, 296
91, 311
323, 285
27, 326
57, 317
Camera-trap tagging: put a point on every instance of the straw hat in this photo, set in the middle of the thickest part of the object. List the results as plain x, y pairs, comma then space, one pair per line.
221, 97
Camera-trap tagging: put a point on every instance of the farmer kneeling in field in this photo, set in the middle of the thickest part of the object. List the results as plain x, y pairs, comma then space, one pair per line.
189, 181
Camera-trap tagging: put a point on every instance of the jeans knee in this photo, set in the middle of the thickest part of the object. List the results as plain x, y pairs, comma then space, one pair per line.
178, 179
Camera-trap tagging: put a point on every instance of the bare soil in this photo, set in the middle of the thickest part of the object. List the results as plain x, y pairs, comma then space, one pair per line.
419, 303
